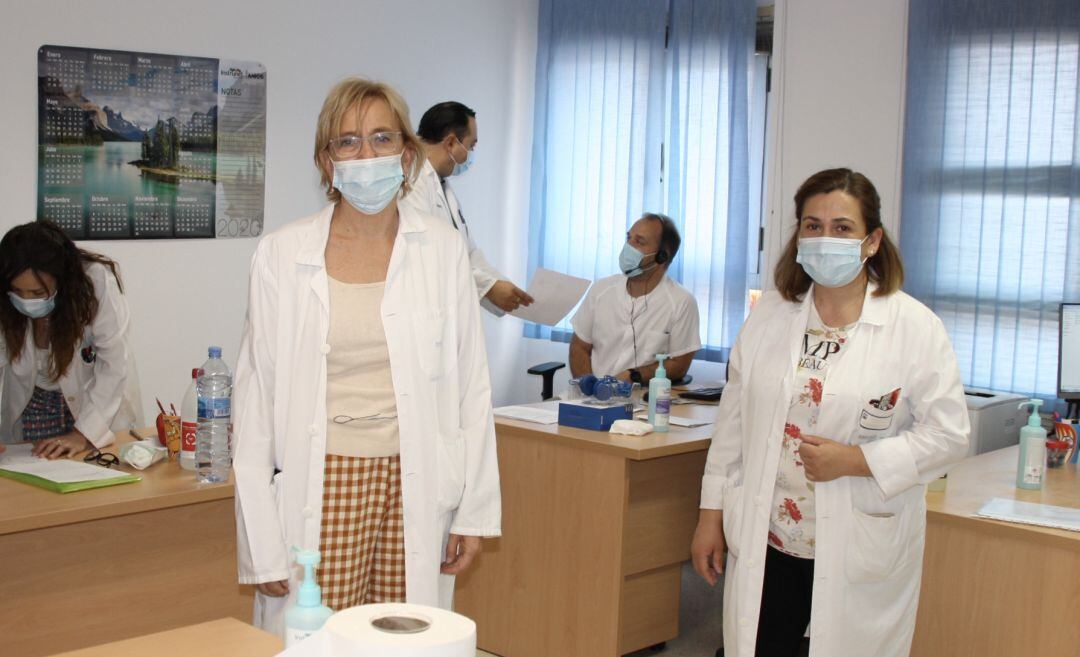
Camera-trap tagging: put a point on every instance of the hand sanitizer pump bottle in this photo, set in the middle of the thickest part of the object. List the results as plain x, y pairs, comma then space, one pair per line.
1032, 465
660, 397
309, 613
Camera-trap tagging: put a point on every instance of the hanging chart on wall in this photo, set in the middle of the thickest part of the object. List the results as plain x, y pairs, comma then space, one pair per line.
137, 145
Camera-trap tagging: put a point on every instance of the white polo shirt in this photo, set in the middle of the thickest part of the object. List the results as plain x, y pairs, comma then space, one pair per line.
628, 332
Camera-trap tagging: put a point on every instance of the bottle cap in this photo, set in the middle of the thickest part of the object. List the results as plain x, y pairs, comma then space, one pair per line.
310, 594
214, 352
661, 373
1034, 420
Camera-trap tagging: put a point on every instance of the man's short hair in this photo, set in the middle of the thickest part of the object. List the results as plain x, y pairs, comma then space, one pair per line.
443, 119
669, 237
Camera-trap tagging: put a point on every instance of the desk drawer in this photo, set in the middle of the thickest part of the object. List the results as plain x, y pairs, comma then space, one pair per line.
662, 511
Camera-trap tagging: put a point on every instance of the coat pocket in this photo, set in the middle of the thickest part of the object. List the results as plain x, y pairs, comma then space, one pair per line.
451, 475
429, 329
733, 517
876, 546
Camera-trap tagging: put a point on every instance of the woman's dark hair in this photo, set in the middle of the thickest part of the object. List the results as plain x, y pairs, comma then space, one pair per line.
884, 267
42, 247
443, 119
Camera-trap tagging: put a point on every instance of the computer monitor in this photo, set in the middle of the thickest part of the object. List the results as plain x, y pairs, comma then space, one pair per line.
1069, 353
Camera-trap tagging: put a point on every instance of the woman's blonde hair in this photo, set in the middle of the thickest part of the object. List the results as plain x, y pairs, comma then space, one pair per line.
352, 95
884, 267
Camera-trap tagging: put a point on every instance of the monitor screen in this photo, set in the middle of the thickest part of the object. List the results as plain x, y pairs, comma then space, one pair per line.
1069, 352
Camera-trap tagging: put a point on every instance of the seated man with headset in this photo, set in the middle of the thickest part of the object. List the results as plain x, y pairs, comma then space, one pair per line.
628, 318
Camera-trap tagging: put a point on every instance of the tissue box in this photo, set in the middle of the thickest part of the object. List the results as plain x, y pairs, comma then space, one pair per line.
593, 418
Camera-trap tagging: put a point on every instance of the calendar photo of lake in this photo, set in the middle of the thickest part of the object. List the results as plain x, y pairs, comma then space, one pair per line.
107, 169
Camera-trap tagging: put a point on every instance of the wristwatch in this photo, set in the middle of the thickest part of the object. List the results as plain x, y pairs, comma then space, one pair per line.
635, 375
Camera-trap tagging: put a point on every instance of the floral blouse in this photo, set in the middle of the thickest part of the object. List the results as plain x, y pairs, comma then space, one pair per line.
791, 525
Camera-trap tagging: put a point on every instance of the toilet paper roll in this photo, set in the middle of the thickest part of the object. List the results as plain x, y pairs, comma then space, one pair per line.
391, 630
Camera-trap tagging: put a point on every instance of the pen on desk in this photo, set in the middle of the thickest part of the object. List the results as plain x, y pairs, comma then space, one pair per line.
159, 405
173, 409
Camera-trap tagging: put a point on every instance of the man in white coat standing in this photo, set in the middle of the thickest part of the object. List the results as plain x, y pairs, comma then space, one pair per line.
448, 132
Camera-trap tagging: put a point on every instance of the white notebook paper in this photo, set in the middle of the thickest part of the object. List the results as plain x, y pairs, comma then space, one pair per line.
1030, 513
542, 413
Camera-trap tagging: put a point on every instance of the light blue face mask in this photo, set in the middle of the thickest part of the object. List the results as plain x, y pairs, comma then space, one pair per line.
630, 261
831, 261
461, 167
369, 185
33, 308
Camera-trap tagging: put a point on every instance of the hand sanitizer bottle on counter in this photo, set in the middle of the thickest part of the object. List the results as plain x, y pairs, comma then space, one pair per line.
309, 613
1032, 465
660, 397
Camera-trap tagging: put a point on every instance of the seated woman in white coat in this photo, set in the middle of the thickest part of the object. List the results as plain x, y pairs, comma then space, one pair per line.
815, 479
363, 421
68, 372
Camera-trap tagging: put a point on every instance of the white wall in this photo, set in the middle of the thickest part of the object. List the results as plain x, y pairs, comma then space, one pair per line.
188, 294
837, 100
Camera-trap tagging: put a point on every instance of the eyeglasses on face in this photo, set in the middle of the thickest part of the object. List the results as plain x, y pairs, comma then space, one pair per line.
348, 147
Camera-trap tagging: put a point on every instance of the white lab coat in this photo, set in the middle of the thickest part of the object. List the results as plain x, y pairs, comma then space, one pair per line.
100, 386
430, 195
450, 479
869, 530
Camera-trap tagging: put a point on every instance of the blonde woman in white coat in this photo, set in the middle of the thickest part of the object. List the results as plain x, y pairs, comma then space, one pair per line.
814, 484
363, 408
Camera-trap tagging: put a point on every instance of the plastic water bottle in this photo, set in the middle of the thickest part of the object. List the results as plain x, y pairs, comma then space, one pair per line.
213, 441
189, 423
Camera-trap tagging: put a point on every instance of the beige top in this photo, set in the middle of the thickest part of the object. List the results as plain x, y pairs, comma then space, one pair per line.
361, 411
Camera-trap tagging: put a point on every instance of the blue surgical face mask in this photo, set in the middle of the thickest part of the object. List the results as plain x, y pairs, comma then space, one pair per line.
831, 261
33, 308
369, 185
461, 167
630, 261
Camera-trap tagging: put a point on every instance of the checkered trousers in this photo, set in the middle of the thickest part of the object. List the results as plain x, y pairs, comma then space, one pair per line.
363, 532
46, 415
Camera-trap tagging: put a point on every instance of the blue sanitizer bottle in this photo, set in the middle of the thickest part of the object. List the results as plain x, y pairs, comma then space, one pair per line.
1032, 465
309, 613
660, 397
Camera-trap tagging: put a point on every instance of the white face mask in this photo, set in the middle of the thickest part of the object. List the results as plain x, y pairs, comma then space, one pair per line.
33, 308
461, 167
369, 185
831, 261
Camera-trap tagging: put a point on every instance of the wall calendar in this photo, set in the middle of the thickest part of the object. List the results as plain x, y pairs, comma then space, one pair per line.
136, 145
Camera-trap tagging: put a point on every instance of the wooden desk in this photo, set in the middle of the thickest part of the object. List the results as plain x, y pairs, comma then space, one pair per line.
595, 530
225, 637
112, 563
996, 589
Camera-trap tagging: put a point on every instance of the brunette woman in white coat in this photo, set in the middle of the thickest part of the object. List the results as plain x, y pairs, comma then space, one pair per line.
363, 420
68, 372
814, 483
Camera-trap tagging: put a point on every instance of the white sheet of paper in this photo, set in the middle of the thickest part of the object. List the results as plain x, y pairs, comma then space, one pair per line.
17, 458
676, 421
1030, 513
554, 296
542, 413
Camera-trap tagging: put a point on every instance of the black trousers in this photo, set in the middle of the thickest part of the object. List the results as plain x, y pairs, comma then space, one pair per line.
785, 604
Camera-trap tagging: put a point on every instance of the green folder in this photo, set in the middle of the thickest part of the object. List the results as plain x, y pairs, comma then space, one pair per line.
69, 487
